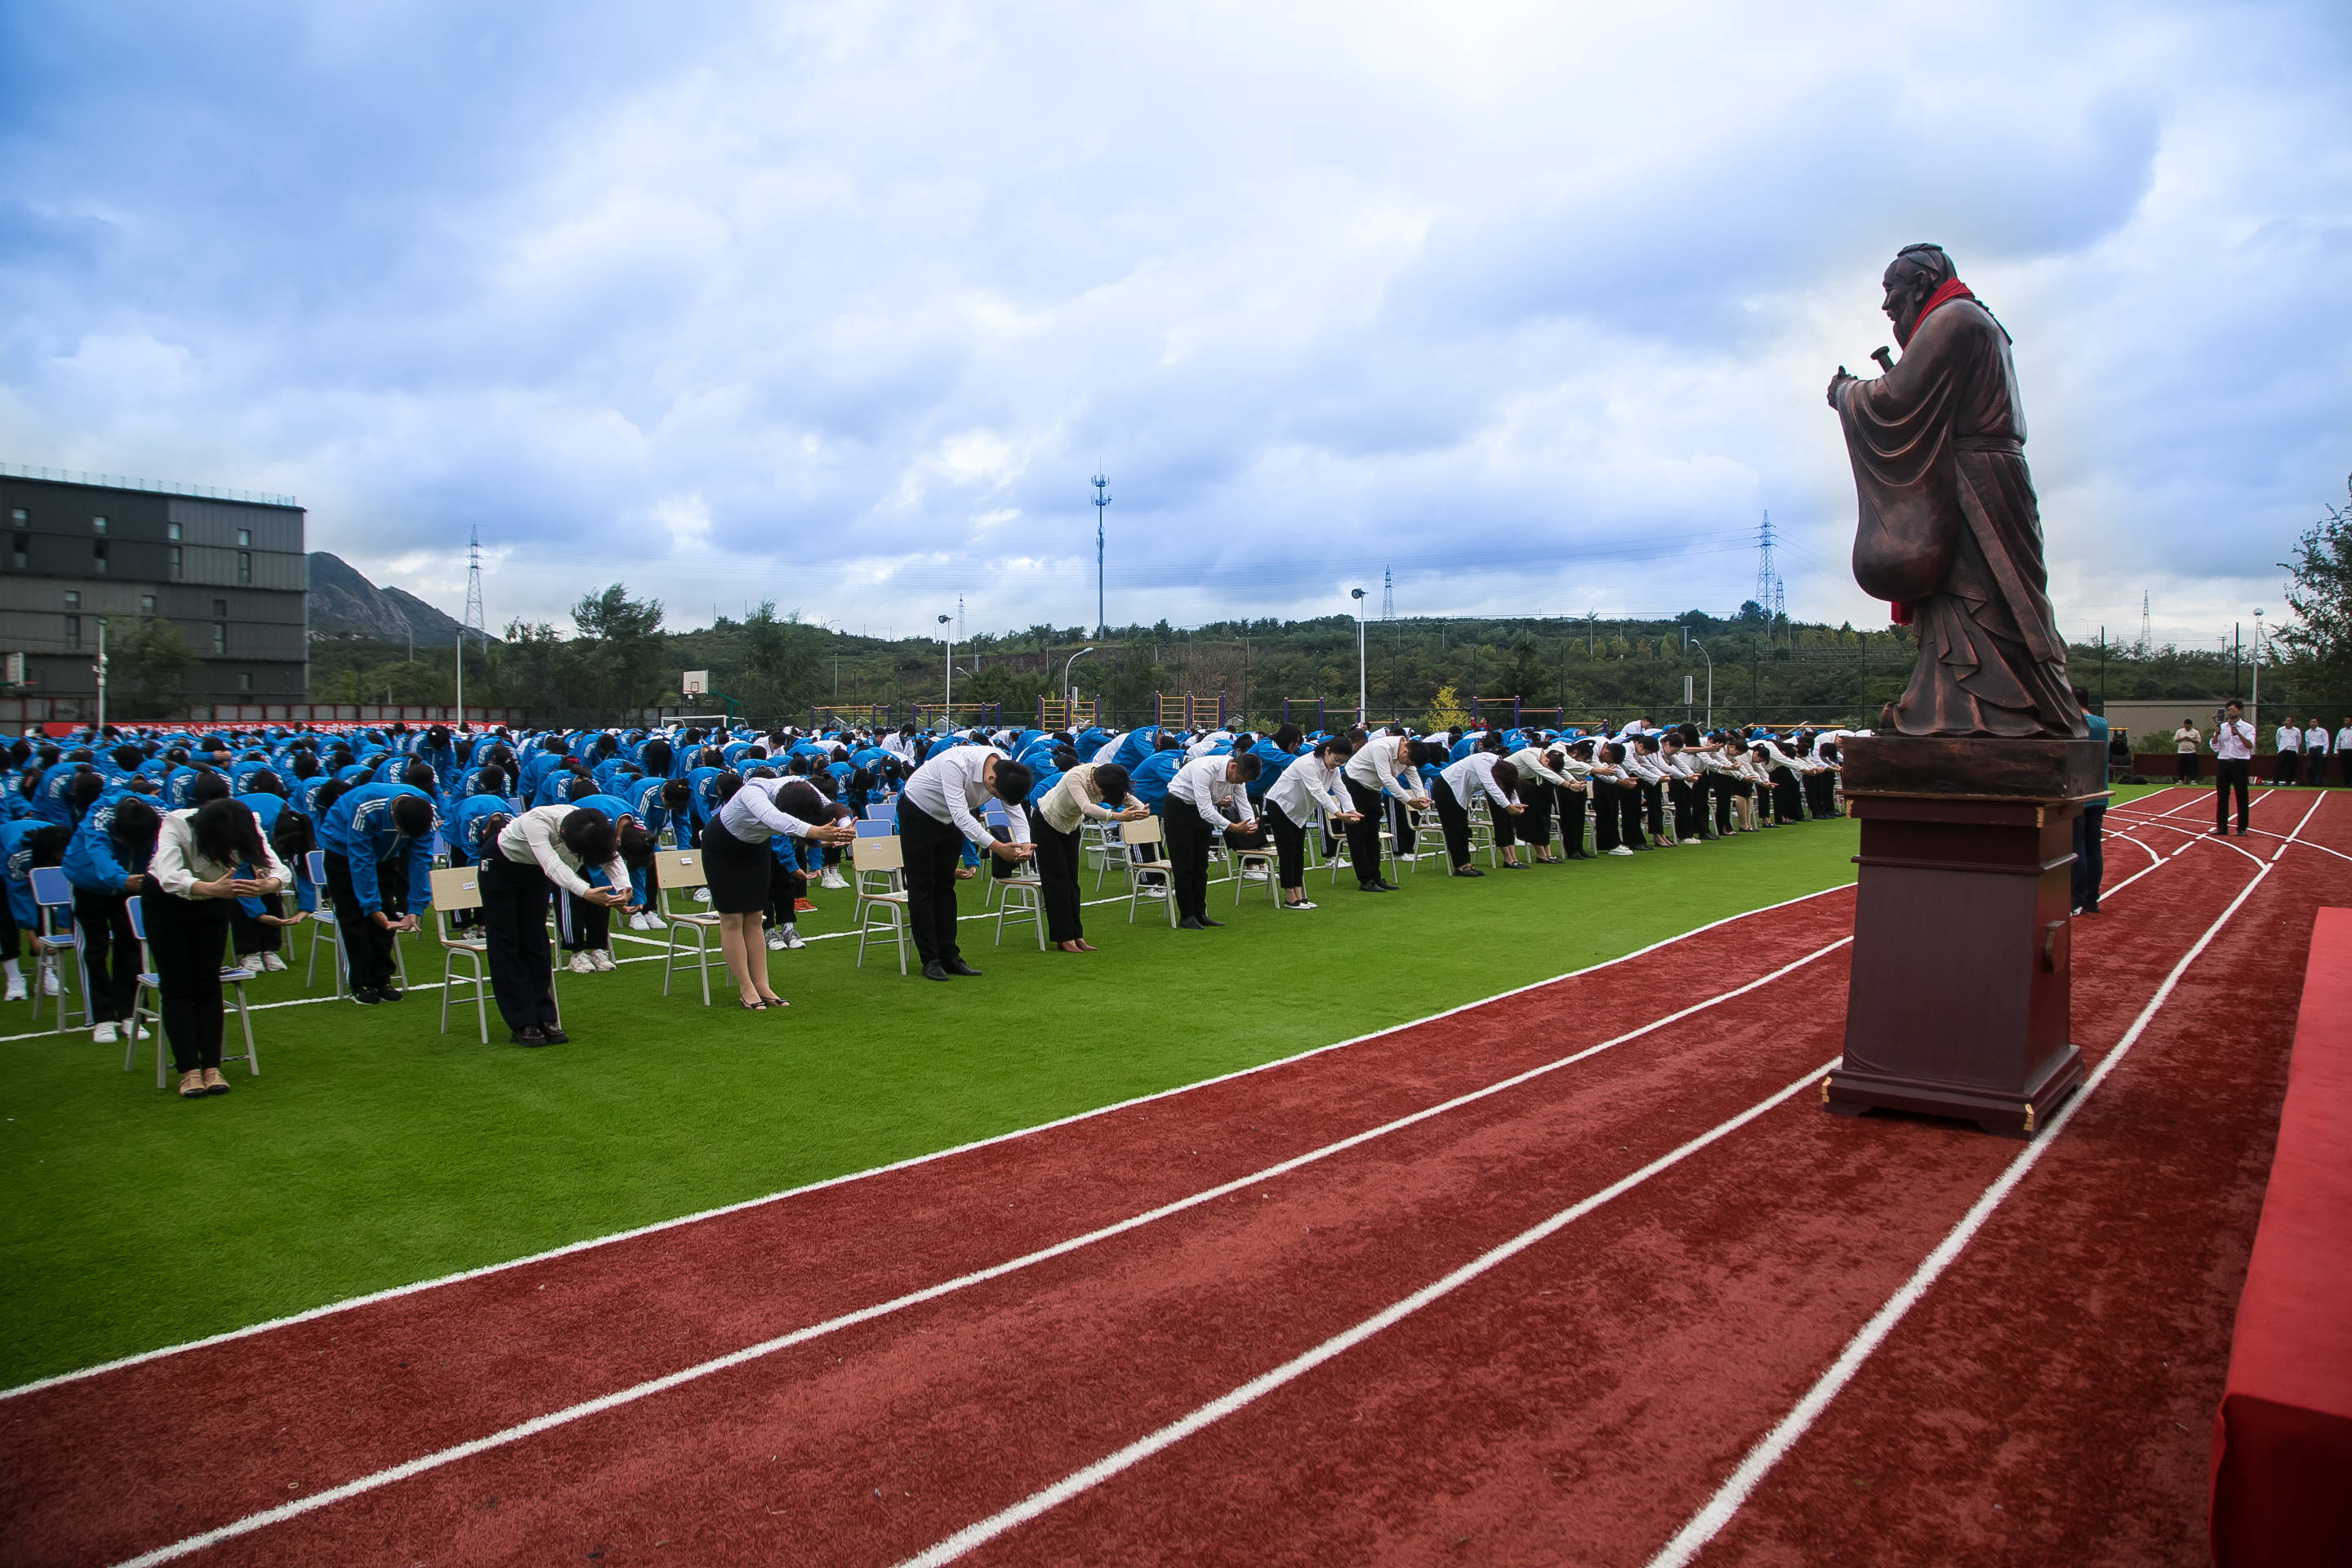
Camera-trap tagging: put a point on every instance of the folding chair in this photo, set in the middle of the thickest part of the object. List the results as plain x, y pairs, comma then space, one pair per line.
151, 984
55, 929
454, 888
1030, 889
882, 811
881, 855
1269, 859
1148, 879
680, 870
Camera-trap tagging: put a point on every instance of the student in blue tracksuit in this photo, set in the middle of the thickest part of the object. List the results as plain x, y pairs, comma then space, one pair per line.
379, 843
26, 843
107, 862
586, 925
258, 922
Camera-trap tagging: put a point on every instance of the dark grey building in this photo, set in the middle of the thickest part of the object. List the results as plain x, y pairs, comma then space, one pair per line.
229, 572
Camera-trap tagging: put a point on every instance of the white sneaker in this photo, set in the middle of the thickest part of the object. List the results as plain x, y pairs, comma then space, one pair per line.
1693, 843
641, 922
1620, 849
1255, 874
793, 939
582, 964
103, 1035
49, 982
775, 942
272, 962
17, 991
602, 958
832, 878
702, 895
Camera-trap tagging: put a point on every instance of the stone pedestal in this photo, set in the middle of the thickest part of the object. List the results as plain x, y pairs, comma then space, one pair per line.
1962, 984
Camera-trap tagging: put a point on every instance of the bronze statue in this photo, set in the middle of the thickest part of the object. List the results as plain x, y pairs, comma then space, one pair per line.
1949, 530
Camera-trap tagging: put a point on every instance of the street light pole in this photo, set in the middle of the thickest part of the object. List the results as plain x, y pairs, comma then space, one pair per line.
1690, 642
1070, 692
2258, 666
102, 673
947, 704
1363, 703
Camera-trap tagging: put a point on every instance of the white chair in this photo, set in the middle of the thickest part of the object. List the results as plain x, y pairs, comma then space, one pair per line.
1148, 879
878, 859
150, 983
1268, 859
454, 888
680, 870
55, 932
1028, 889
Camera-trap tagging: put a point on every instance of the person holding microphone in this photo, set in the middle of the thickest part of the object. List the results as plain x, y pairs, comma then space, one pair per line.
2234, 759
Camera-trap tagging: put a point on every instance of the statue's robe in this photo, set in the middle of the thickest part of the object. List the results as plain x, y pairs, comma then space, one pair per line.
1949, 531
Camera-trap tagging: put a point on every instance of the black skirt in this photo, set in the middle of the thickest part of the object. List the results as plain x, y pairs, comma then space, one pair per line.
739, 873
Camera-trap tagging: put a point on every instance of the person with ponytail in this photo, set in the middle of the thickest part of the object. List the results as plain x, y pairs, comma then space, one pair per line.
1060, 803
106, 860
206, 858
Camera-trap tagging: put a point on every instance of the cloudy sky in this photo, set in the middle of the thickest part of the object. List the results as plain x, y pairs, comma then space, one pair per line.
843, 304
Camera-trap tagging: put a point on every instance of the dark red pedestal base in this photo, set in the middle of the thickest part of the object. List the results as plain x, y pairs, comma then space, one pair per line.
1961, 953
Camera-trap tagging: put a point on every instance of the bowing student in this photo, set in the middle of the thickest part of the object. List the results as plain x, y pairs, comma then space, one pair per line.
1540, 782
1383, 768
936, 818
378, 839
741, 865
1306, 785
1060, 803
107, 862
1480, 771
584, 925
1192, 815
206, 858
541, 851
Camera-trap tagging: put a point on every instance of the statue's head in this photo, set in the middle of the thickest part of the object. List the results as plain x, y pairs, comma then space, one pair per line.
1916, 271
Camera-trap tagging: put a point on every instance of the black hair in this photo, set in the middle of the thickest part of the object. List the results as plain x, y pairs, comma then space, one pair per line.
1012, 782
226, 833
1506, 779
413, 814
551, 743
291, 837
1248, 763
1613, 752
266, 783
135, 822
490, 780
1288, 736
1423, 753
127, 758
582, 788
49, 843
1343, 744
305, 765
1490, 741
1689, 733
207, 787
1065, 759
800, 798
637, 847
1112, 780
83, 788
420, 775
677, 795
656, 756
588, 834
725, 785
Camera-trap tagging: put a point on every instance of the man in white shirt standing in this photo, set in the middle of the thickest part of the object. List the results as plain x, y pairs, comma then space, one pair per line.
1190, 814
2344, 750
2286, 768
2185, 743
2314, 753
937, 817
2233, 758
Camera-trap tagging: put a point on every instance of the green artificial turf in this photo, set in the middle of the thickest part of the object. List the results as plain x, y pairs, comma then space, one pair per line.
375, 1150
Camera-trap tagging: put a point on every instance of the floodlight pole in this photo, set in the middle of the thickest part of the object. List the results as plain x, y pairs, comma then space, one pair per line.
947, 704
2258, 666
1363, 703
1690, 642
100, 667
1102, 501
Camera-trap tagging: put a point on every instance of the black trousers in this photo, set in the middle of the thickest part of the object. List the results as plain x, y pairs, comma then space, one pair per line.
1607, 812
187, 936
1821, 797
2185, 767
1723, 789
933, 850
1364, 833
1573, 805
2228, 774
2090, 856
248, 935
514, 923
1289, 848
2315, 767
1653, 808
367, 946
1058, 870
1533, 827
1788, 799
1690, 806
1188, 859
2287, 767
110, 952
1454, 818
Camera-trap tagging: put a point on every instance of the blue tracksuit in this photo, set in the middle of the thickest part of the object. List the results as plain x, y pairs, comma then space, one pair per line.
92, 861
359, 827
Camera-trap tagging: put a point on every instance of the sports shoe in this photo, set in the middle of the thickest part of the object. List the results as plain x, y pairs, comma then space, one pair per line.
641, 921
832, 878
602, 958
367, 998
1620, 849
775, 942
1255, 874
49, 982
272, 962
18, 990
1691, 843
582, 964
702, 895
794, 940
103, 1035
803, 907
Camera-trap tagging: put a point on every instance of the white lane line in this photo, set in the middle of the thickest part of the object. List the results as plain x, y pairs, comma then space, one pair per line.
2136, 844
646, 1389
395, 1291
1102, 1470
1709, 1519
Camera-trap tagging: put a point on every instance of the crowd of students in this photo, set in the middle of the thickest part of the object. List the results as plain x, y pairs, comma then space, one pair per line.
214, 833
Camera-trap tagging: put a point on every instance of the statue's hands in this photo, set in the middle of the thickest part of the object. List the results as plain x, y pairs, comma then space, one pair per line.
1839, 379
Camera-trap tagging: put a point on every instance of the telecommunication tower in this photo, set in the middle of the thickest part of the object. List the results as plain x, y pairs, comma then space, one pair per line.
1770, 597
1388, 595
2146, 636
1102, 500
960, 636
474, 622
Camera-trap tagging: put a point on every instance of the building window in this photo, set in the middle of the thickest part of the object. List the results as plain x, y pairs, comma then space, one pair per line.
18, 517
220, 609
98, 525
73, 598
146, 604
245, 681
220, 638
244, 538
73, 634
97, 558
175, 563
19, 548
172, 532
245, 565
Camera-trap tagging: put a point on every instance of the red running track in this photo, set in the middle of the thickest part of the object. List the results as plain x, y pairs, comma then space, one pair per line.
1575, 1403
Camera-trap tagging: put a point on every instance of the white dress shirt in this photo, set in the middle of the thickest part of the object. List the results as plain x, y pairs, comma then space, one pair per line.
949, 788
1475, 772
1202, 785
2315, 739
177, 867
753, 816
2343, 740
2234, 740
1306, 787
533, 838
2288, 738
1530, 760
1375, 767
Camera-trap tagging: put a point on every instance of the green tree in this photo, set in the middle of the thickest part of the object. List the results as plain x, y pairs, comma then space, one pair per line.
146, 667
2319, 591
626, 632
